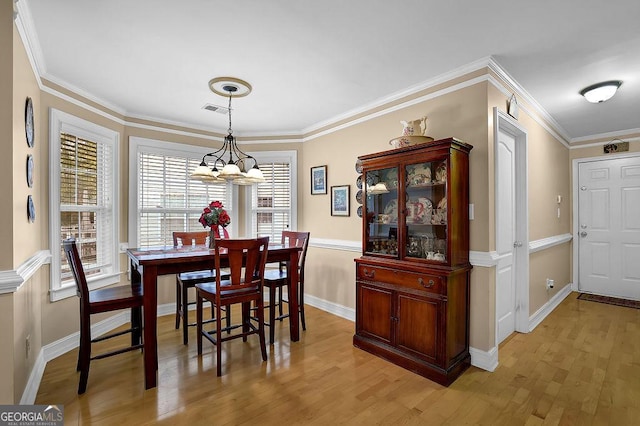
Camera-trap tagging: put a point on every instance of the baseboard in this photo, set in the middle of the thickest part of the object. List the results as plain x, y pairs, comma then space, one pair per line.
62, 346
485, 360
547, 308
330, 307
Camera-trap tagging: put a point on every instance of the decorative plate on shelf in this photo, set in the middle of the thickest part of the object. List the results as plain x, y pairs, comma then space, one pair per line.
419, 174
391, 209
441, 173
419, 210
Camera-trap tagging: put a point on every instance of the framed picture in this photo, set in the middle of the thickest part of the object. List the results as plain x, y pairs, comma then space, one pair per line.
318, 180
340, 196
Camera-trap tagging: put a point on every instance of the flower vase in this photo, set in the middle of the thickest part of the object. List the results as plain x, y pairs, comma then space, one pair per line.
213, 234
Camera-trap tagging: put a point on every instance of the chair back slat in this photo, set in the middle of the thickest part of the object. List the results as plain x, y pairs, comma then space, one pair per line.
199, 237
299, 239
82, 289
186, 237
246, 262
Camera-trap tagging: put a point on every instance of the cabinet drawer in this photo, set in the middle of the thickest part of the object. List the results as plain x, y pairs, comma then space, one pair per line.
413, 280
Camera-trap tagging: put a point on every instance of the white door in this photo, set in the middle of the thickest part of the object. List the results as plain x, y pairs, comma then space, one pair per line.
505, 235
609, 227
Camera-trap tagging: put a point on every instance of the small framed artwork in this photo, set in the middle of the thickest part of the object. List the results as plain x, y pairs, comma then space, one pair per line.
318, 180
340, 196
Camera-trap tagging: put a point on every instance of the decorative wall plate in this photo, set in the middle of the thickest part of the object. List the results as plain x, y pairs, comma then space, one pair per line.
359, 196
30, 171
358, 166
360, 211
28, 122
359, 182
31, 209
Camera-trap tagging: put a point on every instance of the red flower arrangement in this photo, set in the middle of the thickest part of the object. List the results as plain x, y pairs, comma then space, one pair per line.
215, 215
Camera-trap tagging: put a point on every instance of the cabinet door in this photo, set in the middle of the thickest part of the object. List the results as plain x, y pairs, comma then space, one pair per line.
374, 312
381, 209
419, 328
426, 210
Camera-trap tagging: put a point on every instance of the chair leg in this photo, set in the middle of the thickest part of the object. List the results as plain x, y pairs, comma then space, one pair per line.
178, 302
185, 314
246, 317
199, 321
84, 358
272, 315
227, 311
136, 325
280, 303
301, 305
263, 346
218, 340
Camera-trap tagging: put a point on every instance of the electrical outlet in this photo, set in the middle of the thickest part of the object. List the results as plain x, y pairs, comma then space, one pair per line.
550, 283
27, 346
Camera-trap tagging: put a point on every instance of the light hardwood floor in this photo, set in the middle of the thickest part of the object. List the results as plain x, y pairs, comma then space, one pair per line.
580, 366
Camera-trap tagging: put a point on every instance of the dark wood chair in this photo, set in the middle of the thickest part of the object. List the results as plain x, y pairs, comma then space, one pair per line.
187, 280
276, 279
246, 260
102, 300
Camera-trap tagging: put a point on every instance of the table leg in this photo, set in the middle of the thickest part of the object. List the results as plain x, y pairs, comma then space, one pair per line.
150, 311
294, 314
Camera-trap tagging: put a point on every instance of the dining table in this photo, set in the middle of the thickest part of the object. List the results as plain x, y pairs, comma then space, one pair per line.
148, 263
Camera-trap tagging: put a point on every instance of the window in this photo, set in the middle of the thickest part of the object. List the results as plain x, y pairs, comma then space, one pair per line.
162, 197
84, 201
273, 206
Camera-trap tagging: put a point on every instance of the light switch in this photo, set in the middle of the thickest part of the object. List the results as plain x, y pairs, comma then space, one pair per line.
470, 211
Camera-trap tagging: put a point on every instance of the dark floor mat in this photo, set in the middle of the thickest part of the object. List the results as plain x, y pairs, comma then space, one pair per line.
610, 300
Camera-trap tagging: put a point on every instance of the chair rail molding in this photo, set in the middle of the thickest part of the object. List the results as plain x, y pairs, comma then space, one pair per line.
12, 280
344, 245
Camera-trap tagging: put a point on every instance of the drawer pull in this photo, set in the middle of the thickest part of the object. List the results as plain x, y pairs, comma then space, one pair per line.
369, 274
429, 285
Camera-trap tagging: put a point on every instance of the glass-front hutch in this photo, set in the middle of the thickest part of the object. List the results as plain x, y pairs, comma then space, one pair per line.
412, 281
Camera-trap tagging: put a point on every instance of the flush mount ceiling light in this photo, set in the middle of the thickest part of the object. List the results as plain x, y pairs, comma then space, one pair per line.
234, 162
601, 92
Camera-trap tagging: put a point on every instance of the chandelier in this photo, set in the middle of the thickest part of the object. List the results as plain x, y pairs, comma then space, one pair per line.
229, 163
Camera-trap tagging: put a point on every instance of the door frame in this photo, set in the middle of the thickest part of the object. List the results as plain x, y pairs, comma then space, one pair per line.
504, 123
575, 285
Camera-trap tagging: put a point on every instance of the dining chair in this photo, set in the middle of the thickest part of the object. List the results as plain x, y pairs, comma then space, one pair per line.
97, 301
187, 280
276, 279
246, 259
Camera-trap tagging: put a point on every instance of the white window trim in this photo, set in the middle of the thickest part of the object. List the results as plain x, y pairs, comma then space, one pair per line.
289, 156
136, 144
61, 122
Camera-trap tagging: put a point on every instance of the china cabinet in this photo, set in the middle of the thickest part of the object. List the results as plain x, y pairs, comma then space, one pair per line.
412, 280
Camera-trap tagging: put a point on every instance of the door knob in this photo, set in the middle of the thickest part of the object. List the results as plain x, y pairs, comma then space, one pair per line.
583, 234
517, 244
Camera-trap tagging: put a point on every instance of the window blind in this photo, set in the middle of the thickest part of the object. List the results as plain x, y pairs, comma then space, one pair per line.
272, 201
168, 200
86, 185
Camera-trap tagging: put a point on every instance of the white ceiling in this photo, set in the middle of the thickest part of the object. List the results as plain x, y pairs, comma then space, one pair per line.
312, 61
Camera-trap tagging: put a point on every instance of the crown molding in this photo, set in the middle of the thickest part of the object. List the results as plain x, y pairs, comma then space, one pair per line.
609, 136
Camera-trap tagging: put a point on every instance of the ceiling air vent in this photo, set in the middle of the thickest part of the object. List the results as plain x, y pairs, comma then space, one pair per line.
216, 108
